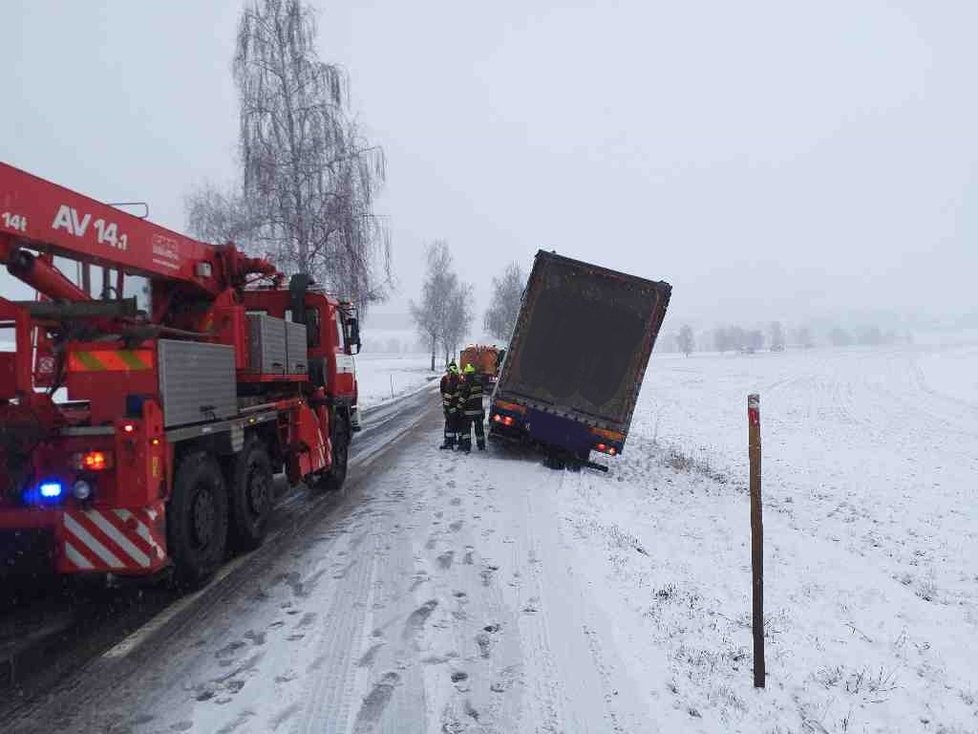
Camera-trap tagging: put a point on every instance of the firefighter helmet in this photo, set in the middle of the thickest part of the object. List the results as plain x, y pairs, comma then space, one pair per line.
469, 369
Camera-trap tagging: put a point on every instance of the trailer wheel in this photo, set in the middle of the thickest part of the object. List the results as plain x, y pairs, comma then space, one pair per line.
250, 496
197, 520
333, 480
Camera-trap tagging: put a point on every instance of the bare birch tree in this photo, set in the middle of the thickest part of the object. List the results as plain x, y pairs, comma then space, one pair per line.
459, 319
507, 293
431, 313
309, 175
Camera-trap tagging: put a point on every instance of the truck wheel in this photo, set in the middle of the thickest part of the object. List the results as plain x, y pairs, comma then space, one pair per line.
197, 520
554, 460
332, 480
250, 496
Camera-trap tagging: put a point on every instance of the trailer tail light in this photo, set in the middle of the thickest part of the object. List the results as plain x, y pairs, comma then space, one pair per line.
607, 440
93, 461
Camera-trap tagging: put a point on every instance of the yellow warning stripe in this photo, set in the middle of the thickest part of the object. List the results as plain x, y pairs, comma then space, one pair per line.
110, 360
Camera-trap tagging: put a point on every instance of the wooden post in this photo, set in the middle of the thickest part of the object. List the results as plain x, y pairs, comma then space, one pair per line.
756, 534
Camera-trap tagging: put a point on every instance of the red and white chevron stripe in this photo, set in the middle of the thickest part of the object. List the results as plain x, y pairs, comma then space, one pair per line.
117, 540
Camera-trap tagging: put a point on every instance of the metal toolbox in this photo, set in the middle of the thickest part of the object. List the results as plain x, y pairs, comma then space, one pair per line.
267, 352
296, 350
197, 382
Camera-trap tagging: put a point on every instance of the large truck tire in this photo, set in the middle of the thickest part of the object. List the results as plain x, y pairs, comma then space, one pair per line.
197, 520
250, 496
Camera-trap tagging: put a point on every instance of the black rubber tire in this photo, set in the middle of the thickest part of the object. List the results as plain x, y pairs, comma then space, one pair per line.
197, 520
554, 460
332, 480
250, 496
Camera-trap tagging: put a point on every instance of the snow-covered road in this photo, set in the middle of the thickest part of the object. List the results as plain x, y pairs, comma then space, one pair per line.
484, 593
440, 596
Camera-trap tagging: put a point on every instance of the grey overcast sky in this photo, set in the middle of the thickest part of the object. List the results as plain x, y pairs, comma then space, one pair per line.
769, 159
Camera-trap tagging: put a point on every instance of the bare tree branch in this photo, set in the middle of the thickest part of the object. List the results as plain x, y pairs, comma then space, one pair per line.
507, 293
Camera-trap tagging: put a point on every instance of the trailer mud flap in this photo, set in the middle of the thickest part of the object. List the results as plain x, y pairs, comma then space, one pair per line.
123, 541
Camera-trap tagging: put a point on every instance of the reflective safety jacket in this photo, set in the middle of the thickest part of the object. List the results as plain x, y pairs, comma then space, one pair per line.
470, 397
449, 392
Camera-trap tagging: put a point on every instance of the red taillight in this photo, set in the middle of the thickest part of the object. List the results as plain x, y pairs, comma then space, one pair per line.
497, 418
507, 420
93, 461
606, 449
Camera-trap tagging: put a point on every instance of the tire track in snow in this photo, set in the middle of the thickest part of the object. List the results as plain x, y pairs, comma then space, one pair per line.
329, 697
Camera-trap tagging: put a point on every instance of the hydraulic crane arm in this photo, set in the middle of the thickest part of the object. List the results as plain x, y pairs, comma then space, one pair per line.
43, 216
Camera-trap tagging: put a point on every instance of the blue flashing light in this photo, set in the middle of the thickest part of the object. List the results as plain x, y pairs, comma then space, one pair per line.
50, 490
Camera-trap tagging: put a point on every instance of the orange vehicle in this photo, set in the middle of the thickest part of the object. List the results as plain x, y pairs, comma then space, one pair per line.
485, 359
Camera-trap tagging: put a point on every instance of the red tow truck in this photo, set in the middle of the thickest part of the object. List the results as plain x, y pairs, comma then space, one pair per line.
178, 414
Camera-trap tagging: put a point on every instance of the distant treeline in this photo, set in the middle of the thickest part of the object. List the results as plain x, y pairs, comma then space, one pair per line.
775, 338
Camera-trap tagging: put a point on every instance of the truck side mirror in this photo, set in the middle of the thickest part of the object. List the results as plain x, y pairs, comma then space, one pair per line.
353, 334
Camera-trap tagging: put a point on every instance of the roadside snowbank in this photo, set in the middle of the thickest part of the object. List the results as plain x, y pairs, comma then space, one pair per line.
385, 376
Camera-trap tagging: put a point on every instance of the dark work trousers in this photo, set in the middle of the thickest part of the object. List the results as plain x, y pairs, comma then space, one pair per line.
468, 422
451, 428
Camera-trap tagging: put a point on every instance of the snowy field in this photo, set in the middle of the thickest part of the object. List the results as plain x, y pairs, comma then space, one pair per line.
382, 377
871, 582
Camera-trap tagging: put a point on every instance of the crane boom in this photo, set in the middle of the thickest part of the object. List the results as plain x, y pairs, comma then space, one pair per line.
52, 219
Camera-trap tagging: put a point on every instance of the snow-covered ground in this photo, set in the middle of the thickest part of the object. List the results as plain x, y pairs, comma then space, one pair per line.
871, 525
382, 377
485, 593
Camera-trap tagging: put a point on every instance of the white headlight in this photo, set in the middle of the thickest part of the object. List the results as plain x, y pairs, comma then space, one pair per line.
81, 489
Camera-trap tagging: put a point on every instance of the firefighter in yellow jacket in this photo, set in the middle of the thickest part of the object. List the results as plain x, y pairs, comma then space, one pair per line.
470, 410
